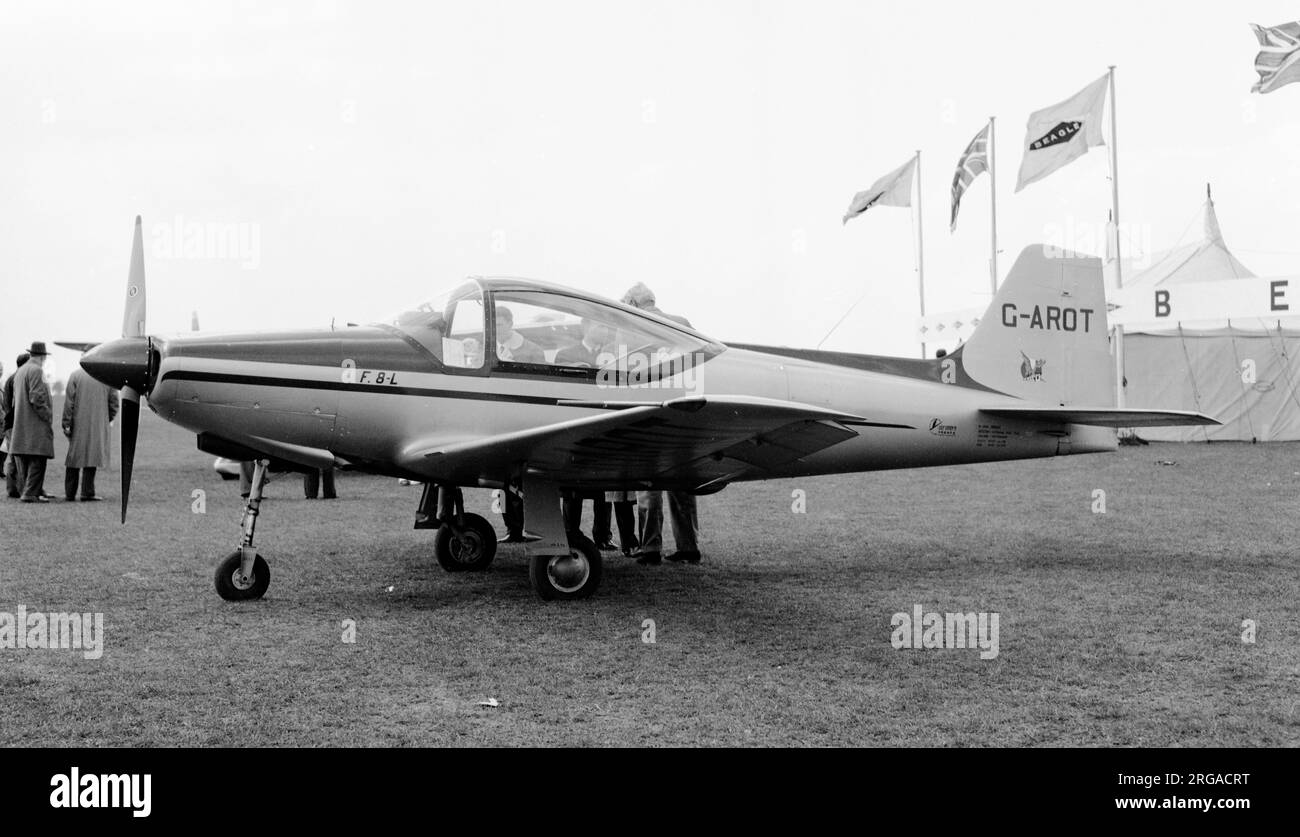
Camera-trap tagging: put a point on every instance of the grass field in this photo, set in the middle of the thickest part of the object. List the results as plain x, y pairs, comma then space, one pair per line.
1122, 628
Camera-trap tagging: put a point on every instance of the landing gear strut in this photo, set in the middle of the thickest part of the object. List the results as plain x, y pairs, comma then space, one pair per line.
561, 565
465, 541
243, 574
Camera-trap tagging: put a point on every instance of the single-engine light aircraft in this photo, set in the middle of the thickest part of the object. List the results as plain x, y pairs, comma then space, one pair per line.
540, 390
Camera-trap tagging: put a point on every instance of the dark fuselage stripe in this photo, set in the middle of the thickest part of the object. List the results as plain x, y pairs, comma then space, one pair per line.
339, 386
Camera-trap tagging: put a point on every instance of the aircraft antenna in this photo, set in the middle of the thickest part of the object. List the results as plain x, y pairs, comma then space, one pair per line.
842, 319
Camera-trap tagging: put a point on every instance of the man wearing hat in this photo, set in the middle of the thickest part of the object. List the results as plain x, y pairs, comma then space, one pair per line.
650, 504
33, 434
640, 296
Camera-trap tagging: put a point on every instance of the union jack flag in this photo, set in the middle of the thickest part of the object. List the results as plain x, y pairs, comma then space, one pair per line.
974, 162
1278, 61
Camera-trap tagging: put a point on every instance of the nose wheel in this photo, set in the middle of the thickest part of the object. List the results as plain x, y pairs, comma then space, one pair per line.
243, 574
234, 585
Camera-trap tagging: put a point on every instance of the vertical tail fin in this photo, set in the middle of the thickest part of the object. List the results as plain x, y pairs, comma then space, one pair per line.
1044, 338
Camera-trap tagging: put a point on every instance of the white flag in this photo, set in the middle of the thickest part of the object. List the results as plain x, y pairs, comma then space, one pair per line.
1062, 133
894, 189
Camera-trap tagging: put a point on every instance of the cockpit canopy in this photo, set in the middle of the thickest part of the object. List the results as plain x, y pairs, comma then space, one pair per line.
522, 325
449, 325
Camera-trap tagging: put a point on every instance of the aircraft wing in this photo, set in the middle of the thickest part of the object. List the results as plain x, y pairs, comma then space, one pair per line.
689, 443
1105, 416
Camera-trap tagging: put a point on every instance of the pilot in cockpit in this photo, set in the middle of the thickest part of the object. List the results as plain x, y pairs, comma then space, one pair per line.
596, 337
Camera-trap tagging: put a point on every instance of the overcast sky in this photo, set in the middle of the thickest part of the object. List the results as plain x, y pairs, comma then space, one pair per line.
366, 154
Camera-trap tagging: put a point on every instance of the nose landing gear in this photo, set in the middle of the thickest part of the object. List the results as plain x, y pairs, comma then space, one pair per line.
243, 574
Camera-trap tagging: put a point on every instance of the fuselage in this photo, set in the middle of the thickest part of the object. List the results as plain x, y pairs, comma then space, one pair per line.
366, 395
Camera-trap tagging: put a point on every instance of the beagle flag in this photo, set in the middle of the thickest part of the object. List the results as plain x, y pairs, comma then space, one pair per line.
1278, 61
974, 162
894, 189
1062, 133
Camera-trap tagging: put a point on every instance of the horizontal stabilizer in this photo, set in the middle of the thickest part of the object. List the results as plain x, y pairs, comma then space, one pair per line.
1105, 416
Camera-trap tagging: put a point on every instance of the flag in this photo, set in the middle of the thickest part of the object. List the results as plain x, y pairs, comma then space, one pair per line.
1062, 133
1278, 62
894, 189
974, 162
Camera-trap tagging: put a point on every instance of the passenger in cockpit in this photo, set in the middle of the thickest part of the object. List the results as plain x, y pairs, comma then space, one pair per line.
513, 346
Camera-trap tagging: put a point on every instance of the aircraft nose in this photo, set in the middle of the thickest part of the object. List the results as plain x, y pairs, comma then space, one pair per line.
120, 363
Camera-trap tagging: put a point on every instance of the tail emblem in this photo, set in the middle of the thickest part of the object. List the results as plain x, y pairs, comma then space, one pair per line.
1031, 370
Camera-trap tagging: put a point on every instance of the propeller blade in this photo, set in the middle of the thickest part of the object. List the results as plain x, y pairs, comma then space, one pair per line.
130, 427
133, 315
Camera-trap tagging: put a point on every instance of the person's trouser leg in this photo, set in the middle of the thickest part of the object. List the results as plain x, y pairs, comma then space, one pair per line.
311, 484
513, 516
33, 476
12, 484
87, 483
71, 476
571, 509
651, 503
36, 474
327, 484
601, 513
685, 521
20, 473
625, 517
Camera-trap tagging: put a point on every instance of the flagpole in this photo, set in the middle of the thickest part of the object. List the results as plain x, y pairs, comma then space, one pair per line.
993, 201
920, 244
1119, 262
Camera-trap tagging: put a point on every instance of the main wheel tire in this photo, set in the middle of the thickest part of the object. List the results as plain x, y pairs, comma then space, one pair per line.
232, 587
565, 577
473, 551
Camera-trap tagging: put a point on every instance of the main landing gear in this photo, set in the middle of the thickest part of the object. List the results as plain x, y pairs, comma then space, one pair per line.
243, 574
575, 574
560, 565
465, 541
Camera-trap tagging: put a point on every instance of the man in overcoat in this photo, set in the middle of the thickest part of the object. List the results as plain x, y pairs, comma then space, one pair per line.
88, 409
33, 434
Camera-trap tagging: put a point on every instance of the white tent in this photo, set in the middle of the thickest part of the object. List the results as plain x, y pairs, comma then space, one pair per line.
1244, 373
